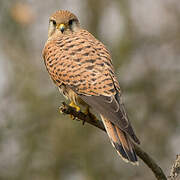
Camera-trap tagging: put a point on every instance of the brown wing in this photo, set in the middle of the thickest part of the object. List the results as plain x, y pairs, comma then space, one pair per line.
111, 108
83, 63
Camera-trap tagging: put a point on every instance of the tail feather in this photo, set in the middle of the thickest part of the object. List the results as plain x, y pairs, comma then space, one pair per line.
127, 145
121, 142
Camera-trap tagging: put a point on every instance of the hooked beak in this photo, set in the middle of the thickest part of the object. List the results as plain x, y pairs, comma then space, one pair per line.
61, 27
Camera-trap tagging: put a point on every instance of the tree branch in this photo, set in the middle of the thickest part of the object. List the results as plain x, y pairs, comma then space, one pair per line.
175, 170
91, 119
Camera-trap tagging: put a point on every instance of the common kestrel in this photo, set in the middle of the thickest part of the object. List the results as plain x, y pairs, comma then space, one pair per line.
81, 67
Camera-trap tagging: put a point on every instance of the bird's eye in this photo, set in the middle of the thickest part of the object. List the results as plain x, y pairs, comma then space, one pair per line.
71, 22
54, 22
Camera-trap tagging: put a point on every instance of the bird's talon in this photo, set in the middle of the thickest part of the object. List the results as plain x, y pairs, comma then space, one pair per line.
72, 104
72, 117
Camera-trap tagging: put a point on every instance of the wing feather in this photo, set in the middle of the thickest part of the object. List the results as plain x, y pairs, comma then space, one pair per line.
109, 110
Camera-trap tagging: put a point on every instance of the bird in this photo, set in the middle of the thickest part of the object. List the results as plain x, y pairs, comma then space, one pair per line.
81, 67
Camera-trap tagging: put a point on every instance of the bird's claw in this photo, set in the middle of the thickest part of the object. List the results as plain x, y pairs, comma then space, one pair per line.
72, 104
72, 117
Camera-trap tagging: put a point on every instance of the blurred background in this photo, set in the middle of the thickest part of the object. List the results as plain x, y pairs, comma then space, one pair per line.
39, 143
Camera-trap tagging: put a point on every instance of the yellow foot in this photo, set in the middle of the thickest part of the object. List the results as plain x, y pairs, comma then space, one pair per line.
72, 104
72, 117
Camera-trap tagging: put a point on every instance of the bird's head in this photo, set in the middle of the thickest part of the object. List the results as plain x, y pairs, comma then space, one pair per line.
63, 22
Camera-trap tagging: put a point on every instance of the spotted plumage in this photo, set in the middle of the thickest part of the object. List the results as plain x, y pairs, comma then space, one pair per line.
81, 67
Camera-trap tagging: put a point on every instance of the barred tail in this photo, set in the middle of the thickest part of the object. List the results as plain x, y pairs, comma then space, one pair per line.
121, 142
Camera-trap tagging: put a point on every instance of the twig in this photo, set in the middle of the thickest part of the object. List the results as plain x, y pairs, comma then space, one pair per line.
175, 170
158, 172
91, 119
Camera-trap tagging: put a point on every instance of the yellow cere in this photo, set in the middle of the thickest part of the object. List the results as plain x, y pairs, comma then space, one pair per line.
61, 26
